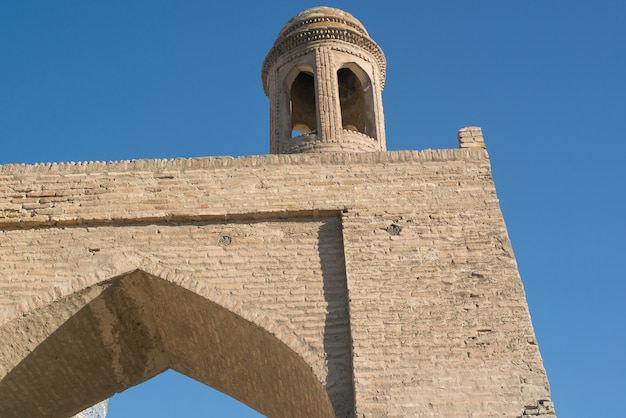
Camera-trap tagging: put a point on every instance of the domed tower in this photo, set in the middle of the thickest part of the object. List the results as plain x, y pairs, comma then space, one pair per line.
324, 77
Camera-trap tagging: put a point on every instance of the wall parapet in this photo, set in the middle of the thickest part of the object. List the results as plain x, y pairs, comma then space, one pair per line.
243, 161
126, 192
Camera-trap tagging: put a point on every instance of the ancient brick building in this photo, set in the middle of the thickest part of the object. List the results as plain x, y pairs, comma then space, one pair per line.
330, 278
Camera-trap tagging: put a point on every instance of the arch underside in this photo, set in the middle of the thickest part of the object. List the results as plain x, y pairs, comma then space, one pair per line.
122, 332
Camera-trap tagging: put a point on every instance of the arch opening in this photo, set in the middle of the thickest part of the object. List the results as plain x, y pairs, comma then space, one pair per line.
155, 397
356, 100
121, 333
303, 104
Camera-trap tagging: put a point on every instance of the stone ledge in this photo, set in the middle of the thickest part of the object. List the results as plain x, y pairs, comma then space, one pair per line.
168, 219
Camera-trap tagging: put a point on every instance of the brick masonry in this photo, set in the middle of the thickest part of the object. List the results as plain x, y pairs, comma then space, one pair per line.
339, 284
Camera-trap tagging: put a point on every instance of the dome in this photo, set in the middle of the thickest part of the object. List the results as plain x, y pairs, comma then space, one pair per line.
319, 24
321, 17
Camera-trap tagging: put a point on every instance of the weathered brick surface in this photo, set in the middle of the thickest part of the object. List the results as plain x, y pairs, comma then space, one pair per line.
389, 275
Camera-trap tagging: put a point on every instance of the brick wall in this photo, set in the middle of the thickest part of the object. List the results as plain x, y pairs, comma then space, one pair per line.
390, 275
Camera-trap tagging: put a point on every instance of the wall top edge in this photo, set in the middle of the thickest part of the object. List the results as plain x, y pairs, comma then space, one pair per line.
196, 163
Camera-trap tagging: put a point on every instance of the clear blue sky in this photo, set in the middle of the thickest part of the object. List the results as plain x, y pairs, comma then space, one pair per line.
546, 80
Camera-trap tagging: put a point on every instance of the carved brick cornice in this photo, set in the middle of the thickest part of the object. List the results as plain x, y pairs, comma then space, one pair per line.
295, 39
294, 25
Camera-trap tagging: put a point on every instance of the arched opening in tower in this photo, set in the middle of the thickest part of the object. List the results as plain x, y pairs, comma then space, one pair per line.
357, 113
303, 110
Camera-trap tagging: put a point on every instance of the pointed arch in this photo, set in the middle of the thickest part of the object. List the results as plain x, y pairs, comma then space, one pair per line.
302, 101
79, 291
356, 98
121, 332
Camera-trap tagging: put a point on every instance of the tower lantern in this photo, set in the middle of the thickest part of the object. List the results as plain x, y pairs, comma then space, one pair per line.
324, 77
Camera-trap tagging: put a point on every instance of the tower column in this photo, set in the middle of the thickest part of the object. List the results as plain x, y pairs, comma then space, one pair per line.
274, 115
378, 104
329, 110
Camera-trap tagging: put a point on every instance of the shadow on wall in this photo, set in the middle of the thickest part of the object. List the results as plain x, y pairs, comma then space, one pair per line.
337, 344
